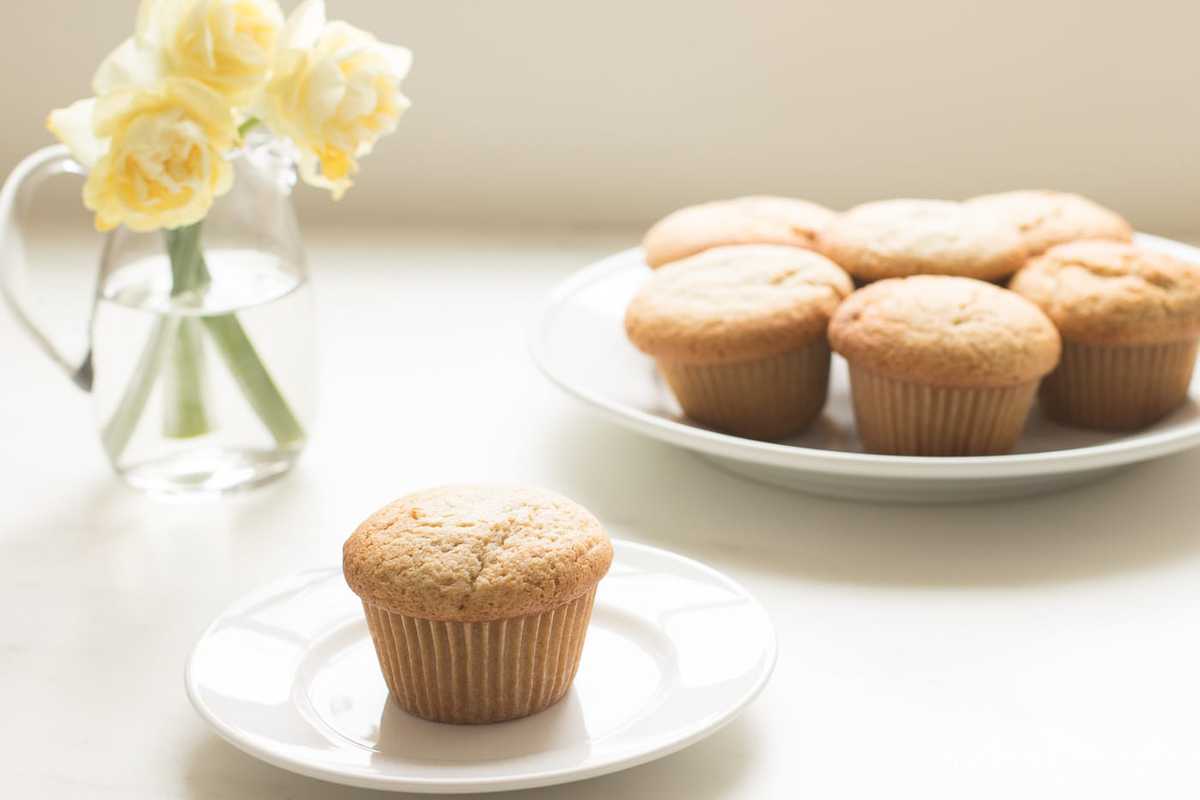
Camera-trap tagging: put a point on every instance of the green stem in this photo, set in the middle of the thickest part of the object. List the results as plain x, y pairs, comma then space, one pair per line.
185, 414
185, 411
247, 126
247, 368
124, 420
188, 270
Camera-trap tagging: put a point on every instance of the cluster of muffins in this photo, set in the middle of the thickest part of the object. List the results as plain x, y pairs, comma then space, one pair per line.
964, 315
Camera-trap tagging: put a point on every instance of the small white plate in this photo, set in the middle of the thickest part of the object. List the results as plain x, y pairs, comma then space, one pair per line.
674, 651
579, 343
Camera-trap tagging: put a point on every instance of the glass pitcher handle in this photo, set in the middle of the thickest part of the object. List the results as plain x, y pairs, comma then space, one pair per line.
15, 197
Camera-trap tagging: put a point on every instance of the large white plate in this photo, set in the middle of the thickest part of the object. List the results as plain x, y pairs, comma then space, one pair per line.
579, 343
674, 651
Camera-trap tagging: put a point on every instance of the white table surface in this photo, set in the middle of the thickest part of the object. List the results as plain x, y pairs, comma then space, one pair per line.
1044, 648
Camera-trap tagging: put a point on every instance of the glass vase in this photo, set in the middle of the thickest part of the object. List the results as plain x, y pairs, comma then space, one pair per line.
201, 355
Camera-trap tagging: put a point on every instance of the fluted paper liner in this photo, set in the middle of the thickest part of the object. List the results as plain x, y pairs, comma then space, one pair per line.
476, 672
897, 417
767, 398
1118, 387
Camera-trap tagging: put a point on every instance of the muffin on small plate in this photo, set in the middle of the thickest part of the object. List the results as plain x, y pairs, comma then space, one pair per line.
478, 598
739, 335
942, 366
743, 220
897, 238
1047, 218
1130, 322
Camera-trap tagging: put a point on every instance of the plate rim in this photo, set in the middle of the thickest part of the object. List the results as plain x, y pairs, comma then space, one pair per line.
701, 730
1127, 450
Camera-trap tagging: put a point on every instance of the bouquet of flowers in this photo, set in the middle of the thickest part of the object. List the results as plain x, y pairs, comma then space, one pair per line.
171, 103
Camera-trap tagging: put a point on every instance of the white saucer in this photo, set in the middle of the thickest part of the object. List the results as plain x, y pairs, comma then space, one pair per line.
674, 651
580, 344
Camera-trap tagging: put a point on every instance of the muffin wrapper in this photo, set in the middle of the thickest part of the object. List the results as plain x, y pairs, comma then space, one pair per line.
1118, 387
476, 672
904, 418
767, 398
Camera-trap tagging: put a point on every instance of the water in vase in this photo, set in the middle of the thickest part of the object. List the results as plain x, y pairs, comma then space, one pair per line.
207, 389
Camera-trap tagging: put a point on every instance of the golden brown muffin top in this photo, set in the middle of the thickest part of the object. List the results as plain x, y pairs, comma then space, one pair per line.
736, 304
743, 220
945, 331
476, 553
1047, 218
1101, 292
895, 238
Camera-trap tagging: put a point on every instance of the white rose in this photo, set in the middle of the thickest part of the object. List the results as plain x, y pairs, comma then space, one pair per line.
334, 91
156, 155
228, 45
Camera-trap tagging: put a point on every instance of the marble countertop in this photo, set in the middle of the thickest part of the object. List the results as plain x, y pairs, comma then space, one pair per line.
1038, 648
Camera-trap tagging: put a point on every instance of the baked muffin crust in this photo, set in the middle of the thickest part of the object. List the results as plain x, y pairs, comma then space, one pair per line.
896, 238
735, 304
476, 553
1047, 218
742, 220
1101, 292
945, 331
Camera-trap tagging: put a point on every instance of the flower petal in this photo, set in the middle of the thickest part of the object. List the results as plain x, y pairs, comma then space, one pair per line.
312, 172
324, 92
206, 107
304, 25
155, 19
147, 18
399, 59
73, 126
131, 64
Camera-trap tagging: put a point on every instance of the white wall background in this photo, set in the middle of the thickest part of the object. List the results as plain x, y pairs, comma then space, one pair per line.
547, 113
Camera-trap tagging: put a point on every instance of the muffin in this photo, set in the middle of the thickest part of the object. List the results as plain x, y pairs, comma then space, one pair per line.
1130, 321
1046, 218
942, 366
478, 598
739, 335
744, 220
897, 238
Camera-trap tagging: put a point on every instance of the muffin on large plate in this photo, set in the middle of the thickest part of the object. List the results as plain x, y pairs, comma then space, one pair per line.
1047, 219
478, 598
1130, 322
739, 335
743, 220
897, 238
942, 366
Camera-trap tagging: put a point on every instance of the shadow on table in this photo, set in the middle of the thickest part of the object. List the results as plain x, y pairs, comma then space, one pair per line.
711, 769
662, 495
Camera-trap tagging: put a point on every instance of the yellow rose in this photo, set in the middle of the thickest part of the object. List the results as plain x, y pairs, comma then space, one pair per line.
334, 91
228, 45
156, 155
